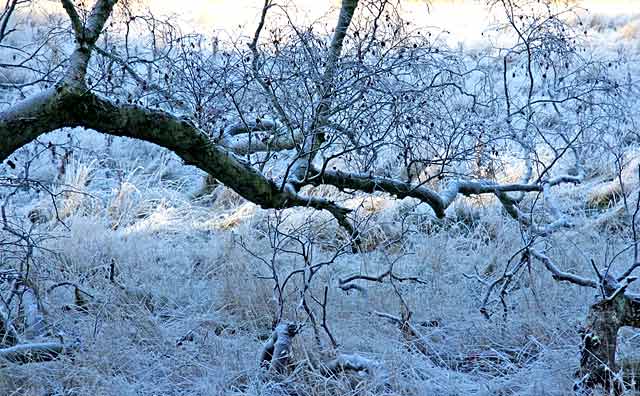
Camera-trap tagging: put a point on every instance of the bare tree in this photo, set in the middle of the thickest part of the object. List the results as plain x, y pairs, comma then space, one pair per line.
373, 106
376, 69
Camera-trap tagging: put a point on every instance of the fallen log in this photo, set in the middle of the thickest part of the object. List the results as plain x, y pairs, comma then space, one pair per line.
33, 353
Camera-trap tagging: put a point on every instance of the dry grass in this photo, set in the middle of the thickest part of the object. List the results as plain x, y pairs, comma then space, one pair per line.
212, 306
189, 258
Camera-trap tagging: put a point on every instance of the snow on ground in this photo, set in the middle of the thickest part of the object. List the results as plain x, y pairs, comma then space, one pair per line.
141, 208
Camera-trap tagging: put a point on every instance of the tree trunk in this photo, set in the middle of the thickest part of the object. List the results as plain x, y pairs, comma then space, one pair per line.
277, 350
598, 364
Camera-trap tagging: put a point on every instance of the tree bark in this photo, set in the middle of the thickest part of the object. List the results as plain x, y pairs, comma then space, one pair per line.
67, 106
277, 350
598, 365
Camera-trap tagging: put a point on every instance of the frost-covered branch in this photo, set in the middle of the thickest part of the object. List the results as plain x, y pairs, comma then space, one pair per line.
439, 201
33, 353
561, 275
255, 142
71, 104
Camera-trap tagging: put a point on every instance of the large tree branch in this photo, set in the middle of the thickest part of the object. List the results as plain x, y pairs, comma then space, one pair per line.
347, 10
71, 104
97, 18
368, 183
68, 106
439, 201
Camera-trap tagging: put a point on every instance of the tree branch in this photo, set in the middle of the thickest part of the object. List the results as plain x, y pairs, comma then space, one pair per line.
561, 276
79, 59
314, 138
33, 353
76, 21
67, 106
